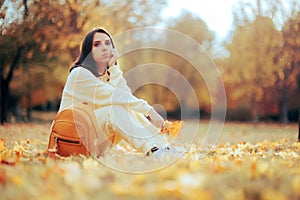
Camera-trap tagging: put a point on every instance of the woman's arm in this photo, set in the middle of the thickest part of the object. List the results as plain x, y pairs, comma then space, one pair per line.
82, 84
117, 79
116, 75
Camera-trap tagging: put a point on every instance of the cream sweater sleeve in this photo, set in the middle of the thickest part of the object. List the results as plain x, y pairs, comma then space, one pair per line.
84, 86
117, 79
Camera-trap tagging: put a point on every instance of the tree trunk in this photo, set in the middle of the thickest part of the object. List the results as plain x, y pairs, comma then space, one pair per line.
256, 111
284, 98
283, 105
5, 85
299, 124
28, 99
4, 97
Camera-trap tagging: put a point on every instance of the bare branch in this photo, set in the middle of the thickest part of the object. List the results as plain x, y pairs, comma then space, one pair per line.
26, 9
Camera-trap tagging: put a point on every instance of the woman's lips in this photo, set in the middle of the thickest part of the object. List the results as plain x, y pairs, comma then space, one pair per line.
106, 55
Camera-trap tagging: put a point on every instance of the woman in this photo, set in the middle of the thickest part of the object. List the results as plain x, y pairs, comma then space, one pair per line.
96, 79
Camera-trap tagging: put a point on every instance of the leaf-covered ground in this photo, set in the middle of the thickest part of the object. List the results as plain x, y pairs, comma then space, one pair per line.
249, 162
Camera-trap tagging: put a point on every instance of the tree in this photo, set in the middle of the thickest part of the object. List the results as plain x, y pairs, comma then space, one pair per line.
288, 58
250, 67
24, 42
254, 45
191, 25
162, 95
202, 35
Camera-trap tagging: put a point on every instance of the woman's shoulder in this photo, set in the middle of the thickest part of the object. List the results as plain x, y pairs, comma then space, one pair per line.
78, 68
80, 71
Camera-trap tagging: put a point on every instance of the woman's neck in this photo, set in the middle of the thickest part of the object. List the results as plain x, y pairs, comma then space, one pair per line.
101, 68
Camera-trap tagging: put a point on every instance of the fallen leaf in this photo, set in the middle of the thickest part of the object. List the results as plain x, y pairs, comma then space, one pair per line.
172, 128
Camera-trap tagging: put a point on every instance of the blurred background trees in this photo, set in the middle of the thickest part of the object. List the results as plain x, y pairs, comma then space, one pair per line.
260, 72
40, 39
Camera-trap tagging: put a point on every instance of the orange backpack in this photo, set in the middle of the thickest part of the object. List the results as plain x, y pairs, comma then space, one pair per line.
75, 131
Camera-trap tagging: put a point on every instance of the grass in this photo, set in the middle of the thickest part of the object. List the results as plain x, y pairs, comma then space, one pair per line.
249, 161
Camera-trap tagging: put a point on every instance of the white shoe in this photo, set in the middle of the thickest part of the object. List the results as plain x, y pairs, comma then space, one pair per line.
176, 150
167, 153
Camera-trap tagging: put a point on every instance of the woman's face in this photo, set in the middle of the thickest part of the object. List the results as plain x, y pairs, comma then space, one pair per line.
102, 48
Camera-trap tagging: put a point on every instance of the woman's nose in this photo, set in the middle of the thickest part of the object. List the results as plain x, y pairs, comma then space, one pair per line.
105, 48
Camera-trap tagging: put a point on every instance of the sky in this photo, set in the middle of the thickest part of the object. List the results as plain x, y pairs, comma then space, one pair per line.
216, 13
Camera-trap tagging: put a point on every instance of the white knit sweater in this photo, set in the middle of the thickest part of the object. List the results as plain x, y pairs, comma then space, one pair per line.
83, 86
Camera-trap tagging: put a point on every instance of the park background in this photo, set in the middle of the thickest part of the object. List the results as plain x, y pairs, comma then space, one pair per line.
259, 59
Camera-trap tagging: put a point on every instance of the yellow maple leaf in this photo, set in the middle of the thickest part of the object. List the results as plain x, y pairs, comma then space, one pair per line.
172, 128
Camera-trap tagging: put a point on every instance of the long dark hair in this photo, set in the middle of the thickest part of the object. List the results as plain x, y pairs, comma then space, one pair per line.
85, 58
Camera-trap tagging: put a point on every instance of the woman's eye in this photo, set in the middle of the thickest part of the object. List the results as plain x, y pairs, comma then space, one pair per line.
107, 43
99, 44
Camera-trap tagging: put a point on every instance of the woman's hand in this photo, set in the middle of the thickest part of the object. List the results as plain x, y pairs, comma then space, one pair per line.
155, 118
114, 56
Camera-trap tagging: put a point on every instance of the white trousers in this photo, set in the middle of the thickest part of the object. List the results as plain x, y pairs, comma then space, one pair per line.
133, 127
